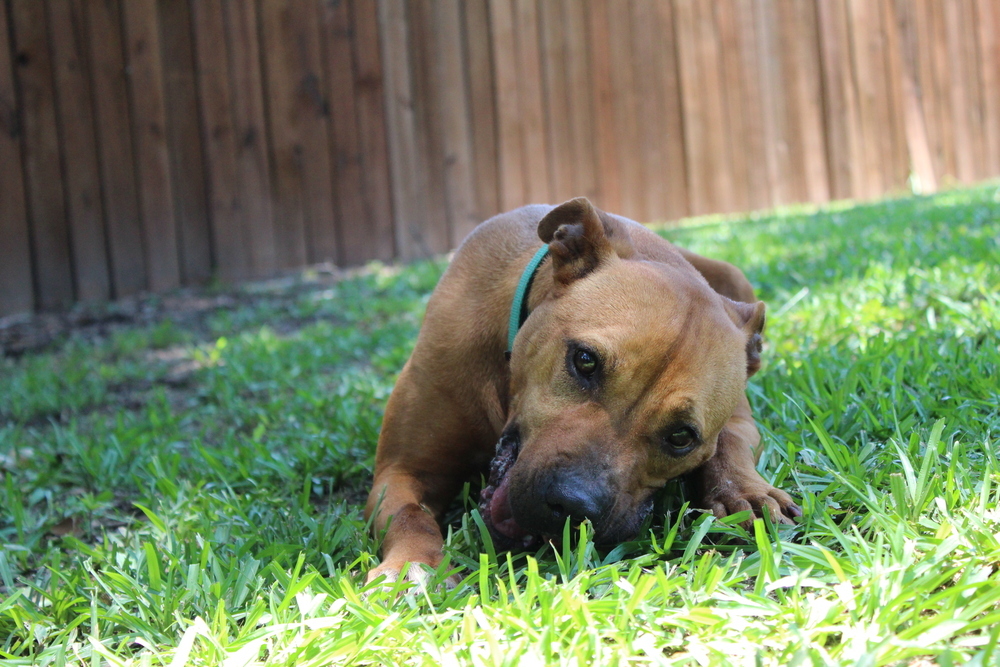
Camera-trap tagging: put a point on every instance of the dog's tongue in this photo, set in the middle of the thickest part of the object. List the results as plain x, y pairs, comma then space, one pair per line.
501, 514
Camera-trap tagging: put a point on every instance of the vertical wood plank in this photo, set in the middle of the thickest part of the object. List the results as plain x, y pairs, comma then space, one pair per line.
17, 295
955, 37
113, 119
733, 102
709, 177
228, 226
772, 93
370, 102
482, 105
356, 226
408, 197
805, 117
654, 138
297, 111
187, 165
753, 109
926, 83
678, 202
625, 102
943, 76
841, 121
435, 235
149, 134
532, 103
453, 114
41, 155
609, 179
254, 169
580, 100
510, 149
866, 55
988, 22
973, 87
898, 25
67, 33
557, 110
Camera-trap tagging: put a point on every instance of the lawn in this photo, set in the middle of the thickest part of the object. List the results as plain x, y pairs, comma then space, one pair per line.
184, 486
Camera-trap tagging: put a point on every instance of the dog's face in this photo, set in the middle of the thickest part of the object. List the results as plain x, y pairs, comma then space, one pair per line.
619, 383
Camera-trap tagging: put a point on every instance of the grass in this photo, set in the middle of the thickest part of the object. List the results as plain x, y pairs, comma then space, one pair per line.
175, 496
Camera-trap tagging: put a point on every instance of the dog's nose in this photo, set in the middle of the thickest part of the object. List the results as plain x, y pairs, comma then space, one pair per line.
574, 496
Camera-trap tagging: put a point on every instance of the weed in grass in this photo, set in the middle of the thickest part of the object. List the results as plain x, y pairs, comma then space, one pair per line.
175, 494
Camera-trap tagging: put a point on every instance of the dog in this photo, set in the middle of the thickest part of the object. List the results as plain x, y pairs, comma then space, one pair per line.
627, 367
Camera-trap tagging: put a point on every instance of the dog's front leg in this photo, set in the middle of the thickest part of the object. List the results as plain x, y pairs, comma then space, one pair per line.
408, 506
729, 482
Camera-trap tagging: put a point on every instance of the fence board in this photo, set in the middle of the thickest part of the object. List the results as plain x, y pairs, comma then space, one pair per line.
709, 177
624, 102
557, 109
609, 180
454, 117
805, 114
434, 236
353, 219
531, 97
678, 203
41, 155
900, 35
988, 22
482, 107
578, 74
753, 107
733, 103
371, 114
254, 169
510, 149
229, 239
17, 295
113, 125
187, 163
79, 149
305, 229
842, 123
149, 123
974, 91
651, 114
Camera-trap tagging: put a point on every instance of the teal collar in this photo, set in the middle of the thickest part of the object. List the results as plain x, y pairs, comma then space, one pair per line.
519, 308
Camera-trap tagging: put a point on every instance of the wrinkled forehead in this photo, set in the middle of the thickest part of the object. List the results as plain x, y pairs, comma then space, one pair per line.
634, 301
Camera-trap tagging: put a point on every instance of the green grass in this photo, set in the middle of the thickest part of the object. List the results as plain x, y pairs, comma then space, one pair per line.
193, 497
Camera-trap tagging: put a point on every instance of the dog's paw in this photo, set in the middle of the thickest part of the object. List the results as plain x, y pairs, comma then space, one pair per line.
420, 575
730, 497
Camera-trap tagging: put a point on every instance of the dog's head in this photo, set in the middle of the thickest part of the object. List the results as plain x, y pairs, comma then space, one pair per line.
620, 381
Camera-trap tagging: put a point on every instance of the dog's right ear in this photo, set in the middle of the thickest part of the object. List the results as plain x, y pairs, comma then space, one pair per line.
577, 239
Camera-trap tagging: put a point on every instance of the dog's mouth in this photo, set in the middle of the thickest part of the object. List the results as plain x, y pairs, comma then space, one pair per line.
494, 499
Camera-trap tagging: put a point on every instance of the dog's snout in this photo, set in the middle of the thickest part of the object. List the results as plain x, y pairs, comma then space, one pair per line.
569, 496
566, 494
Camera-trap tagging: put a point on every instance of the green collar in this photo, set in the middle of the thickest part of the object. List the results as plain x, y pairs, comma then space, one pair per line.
519, 308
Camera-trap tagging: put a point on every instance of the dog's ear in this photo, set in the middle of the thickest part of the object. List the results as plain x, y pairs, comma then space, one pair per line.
750, 318
577, 239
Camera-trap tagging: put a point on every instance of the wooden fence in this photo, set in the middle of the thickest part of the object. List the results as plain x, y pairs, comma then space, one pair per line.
146, 144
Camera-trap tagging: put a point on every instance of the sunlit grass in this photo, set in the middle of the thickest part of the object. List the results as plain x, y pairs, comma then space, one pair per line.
217, 520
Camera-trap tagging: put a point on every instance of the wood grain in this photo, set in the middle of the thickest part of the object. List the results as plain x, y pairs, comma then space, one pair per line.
41, 152
18, 294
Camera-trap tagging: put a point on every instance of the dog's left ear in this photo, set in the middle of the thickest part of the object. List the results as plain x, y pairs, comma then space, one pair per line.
577, 239
750, 318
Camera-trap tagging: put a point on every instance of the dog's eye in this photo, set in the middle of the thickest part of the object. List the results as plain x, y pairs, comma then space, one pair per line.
681, 439
585, 362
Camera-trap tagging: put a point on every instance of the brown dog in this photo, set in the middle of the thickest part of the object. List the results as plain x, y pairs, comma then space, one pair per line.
629, 370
